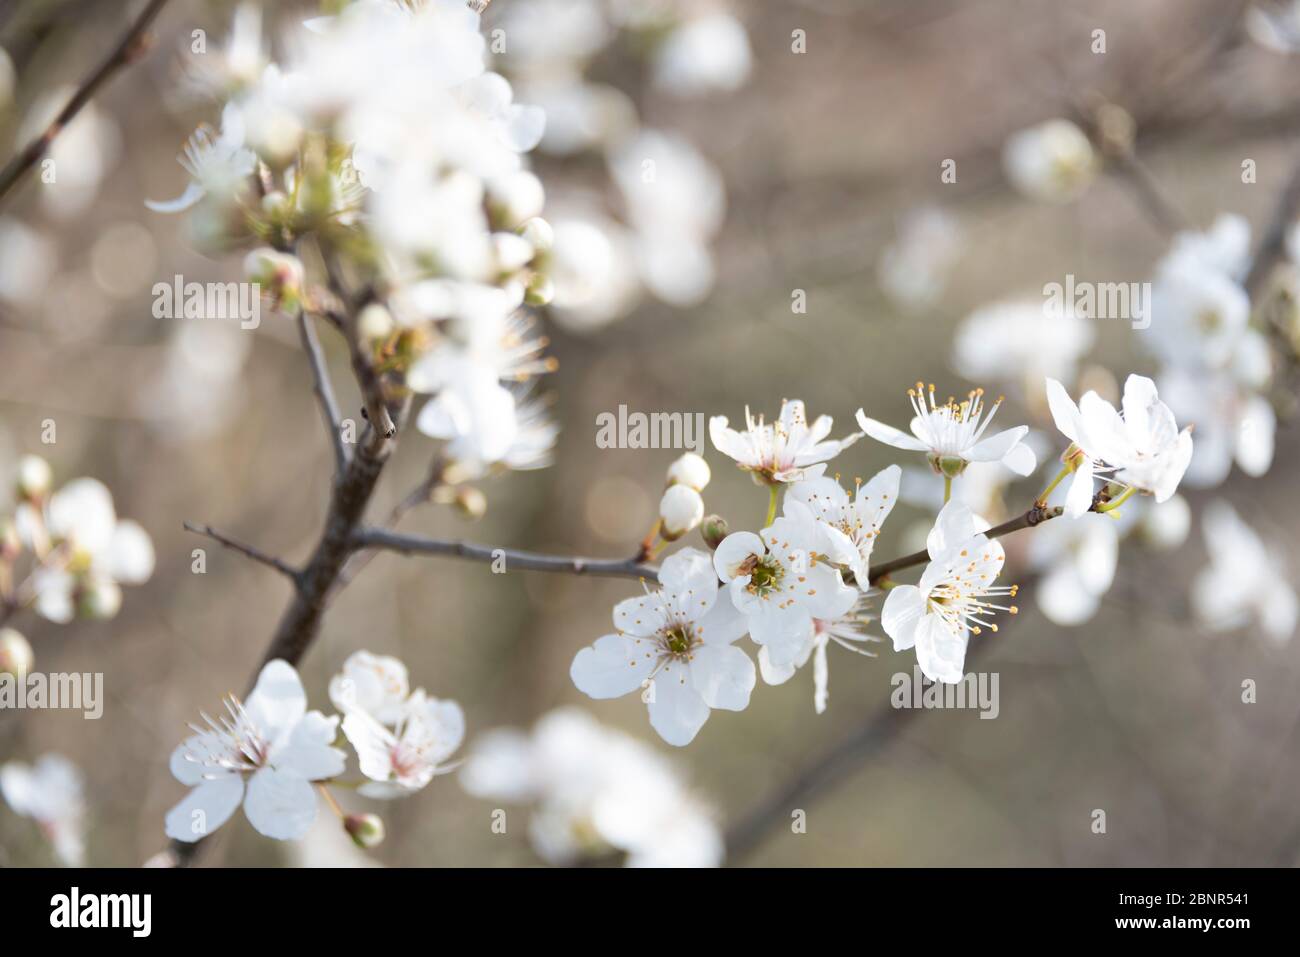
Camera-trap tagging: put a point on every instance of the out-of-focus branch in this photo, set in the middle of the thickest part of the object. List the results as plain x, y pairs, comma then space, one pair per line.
249, 551
324, 393
528, 561
131, 47
1273, 246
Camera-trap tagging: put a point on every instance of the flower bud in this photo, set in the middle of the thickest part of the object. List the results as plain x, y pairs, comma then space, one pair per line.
16, 656
714, 529
539, 233
513, 252
276, 205
99, 600
690, 470
681, 509
366, 830
514, 198
279, 274
540, 290
470, 502
375, 323
34, 477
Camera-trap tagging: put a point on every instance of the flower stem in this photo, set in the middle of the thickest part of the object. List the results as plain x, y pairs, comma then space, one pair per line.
329, 799
947, 488
1046, 493
773, 492
1111, 506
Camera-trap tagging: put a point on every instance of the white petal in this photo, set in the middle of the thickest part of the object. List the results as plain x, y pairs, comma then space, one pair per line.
995, 447
278, 701
735, 550
205, 808
889, 435
1078, 499
280, 804
723, 676
614, 666
193, 193
723, 623
940, 653
677, 711
309, 751
901, 614
130, 554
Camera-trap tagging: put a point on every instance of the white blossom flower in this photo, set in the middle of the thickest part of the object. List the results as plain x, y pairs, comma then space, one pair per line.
593, 790
952, 433
95, 552
955, 596
847, 631
263, 753
1246, 581
52, 793
1234, 424
218, 163
675, 643
781, 451
783, 579
235, 65
404, 758
1142, 446
1053, 161
1077, 558
850, 526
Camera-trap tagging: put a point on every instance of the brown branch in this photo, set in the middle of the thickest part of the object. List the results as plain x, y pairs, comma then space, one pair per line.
131, 47
383, 538
256, 554
1035, 516
1273, 246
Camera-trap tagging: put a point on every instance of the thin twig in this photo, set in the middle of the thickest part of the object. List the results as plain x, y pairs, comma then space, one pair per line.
133, 45
513, 558
324, 393
1035, 516
256, 554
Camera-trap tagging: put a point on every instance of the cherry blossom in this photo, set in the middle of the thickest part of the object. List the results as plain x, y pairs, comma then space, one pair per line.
780, 451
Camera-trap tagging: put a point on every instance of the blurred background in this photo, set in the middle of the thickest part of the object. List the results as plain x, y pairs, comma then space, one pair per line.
826, 158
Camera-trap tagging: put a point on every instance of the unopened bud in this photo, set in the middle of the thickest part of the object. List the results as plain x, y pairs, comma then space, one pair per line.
34, 477
680, 510
539, 233
690, 470
514, 198
276, 205
375, 323
279, 274
714, 529
470, 502
16, 656
100, 600
540, 290
366, 830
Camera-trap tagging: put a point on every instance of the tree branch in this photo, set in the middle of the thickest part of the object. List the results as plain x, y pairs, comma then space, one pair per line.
257, 555
324, 393
1273, 246
133, 45
528, 561
1035, 516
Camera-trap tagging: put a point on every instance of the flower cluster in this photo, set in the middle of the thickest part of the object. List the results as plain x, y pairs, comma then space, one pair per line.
267, 751
381, 139
593, 791
805, 578
64, 553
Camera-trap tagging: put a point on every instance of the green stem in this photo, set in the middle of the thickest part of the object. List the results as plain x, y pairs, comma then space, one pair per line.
1111, 506
947, 488
773, 492
1046, 493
